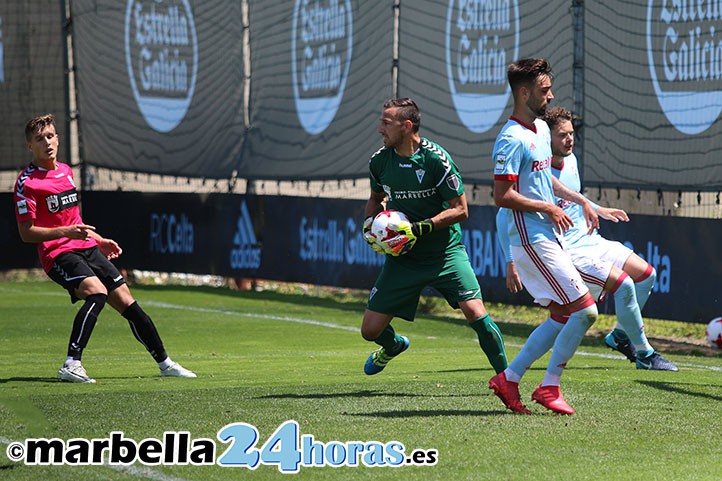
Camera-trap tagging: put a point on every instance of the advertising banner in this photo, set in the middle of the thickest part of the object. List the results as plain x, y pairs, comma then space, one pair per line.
453, 60
319, 241
653, 95
32, 74
320, 74
160, 85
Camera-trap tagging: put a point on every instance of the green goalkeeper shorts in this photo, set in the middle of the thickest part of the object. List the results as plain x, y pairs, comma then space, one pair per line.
401, 281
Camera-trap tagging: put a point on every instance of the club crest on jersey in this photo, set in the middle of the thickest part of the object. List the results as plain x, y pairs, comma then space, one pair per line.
53, 203
62, 200
453, 182
420, 174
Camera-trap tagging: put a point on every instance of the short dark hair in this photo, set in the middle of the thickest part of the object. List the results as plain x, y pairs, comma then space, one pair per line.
526, 71
407, 110
37, 124
557, 115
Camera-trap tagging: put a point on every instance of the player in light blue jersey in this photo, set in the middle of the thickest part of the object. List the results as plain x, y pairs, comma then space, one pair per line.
523, 183
606, 266
642, 273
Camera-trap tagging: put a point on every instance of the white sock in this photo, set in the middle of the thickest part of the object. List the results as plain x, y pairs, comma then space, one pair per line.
166, 363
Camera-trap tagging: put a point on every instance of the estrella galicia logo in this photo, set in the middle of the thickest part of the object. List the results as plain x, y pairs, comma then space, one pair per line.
685, 62
246, 252
482, 37
321, 52
161, 53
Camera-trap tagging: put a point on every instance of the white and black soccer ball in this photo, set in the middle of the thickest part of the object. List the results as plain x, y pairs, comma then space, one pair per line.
714, 332
383, 228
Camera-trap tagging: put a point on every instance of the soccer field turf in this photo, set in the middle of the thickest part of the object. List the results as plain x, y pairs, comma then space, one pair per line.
266, 358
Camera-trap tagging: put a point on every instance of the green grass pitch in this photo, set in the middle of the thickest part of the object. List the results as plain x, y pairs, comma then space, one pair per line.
264, 358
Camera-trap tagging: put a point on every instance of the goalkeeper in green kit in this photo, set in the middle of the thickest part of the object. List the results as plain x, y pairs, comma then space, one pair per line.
413, 175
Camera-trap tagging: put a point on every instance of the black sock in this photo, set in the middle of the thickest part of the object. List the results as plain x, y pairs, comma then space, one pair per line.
389, 340
144, 330
84, 323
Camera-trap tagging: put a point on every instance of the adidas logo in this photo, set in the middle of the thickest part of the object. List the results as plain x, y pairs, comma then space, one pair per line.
246, 252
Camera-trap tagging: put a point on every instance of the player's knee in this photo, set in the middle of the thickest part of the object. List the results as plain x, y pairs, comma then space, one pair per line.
84, 293
649, 275
94, 303
370, 333
98, 298
589, 314
625, 292
652, 274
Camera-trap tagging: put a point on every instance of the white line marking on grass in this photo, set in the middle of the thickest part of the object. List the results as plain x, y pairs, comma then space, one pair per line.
346, 328
355, 329
255, 316
138, 472
614, 356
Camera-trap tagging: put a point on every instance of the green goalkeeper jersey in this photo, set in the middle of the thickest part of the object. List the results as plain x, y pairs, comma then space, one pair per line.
420, 186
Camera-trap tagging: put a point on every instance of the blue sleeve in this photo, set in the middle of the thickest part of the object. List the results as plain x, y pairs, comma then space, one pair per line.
502, 233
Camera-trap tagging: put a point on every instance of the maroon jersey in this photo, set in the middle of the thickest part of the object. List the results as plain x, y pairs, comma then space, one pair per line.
50, 199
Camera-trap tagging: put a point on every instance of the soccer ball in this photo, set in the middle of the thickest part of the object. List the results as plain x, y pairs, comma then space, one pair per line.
714, 332
383, 229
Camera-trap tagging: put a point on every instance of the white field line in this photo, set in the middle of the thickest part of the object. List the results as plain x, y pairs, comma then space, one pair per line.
331, 325
354, 329
252, 315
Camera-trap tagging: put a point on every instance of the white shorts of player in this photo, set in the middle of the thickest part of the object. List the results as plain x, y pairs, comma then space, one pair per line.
613, 251
594, 261
594, 270
548, 273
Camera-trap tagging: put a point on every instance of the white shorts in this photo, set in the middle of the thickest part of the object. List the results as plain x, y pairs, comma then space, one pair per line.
606, 249
593, 269
548, 273
594, 261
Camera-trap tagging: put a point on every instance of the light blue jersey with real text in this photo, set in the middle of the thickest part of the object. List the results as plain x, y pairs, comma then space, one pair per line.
577, 235
522, 154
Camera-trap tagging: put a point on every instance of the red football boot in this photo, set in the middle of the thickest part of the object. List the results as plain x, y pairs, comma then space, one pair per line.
508, 392
551, 398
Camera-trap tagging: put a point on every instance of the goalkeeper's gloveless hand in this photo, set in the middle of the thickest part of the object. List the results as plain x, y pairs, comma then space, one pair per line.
370, 238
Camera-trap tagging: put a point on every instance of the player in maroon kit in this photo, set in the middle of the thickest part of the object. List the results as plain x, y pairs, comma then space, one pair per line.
74, 255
